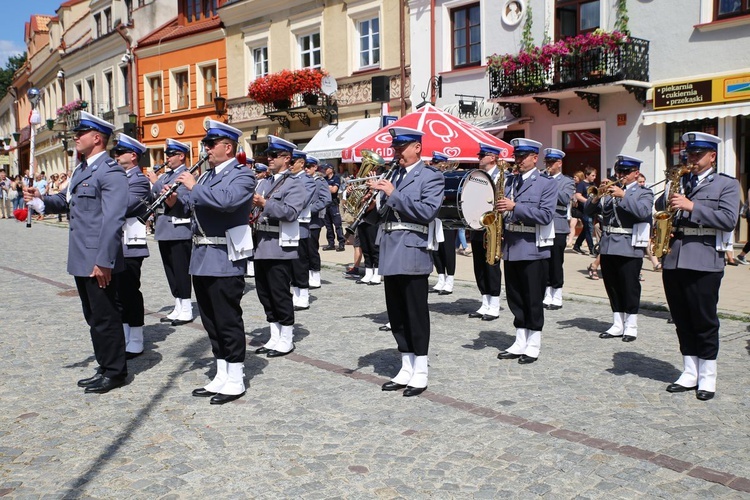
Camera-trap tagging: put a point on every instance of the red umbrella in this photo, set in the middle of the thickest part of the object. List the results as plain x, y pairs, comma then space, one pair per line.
443, 133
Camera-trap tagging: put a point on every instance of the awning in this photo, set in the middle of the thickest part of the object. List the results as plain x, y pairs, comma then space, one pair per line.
697, 113
493, 125
331, 139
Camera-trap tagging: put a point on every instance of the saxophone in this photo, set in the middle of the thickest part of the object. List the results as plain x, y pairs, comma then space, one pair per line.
664, 219
493, 221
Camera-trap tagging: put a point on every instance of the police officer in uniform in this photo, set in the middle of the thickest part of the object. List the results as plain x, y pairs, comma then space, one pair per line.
413, 196
128, 152
445, 255
317, 209
488, 277
97, 198
220, 203
281, 199
333, 215
565, 189
175, 236
626, 216
530, 199
301, 265
707, 210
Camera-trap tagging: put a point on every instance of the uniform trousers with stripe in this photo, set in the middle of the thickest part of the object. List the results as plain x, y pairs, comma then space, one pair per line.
273, 278
488, 277
693, 297
219, 302
175, 256
621, 282
445, 256
525, 281
556, 260
313, 249
368, 233
406, 302
105, 324
129, 296
301, 265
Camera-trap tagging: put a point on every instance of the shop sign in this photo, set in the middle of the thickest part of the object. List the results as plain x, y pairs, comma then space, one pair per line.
702, 92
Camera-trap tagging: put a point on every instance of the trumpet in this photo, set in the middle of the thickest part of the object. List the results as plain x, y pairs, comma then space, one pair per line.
166, 194
596, 192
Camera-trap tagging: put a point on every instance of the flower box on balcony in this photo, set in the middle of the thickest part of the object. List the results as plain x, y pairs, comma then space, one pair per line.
283, 85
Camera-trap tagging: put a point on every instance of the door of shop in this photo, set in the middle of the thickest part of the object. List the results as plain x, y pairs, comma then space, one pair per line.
582, 149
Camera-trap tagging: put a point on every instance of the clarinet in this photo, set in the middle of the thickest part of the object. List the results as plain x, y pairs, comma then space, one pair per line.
166, 194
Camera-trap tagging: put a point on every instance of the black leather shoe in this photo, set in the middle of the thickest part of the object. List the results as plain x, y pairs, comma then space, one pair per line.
392, 386
489, 317
704, 395
221, 399
553, 307
606, 335
374, 283
385, 328
179, 322
433, 290
340, 249
105, 384
328, 247
628, 338
413, 391
202, 393
475, 315
132, 355
165, 320
85, 382
262, 350
361, 281
546, 306
670, 321
445, 292
507, 355
579, 251
525, 360
300, 308
277, 354
680, 388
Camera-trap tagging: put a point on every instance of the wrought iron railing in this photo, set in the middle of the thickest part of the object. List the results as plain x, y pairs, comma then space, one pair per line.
301, 106
627, 61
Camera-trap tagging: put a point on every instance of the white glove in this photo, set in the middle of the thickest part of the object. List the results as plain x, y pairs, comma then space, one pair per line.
37, 205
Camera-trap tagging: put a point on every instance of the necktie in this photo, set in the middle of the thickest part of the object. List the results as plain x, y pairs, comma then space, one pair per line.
693, 182
400, 177
519, 182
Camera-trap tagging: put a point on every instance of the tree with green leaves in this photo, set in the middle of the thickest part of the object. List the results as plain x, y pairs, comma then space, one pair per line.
6, 74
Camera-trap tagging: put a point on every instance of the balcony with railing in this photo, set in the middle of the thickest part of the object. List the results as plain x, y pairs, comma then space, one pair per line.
566, 65
302, 106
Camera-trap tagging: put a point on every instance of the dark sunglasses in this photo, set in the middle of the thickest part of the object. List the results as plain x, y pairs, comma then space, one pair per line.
171, 153
210, 143
120, 151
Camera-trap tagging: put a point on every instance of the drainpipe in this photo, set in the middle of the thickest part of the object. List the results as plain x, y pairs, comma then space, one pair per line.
432, 50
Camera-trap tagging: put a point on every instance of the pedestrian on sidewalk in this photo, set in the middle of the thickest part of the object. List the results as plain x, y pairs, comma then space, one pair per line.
581, 196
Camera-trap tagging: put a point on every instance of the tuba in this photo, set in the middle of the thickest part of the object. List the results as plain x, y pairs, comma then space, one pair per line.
664, 219
371, 161
493, 221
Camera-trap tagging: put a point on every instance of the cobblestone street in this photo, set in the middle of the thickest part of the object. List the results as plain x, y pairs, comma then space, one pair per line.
590, 419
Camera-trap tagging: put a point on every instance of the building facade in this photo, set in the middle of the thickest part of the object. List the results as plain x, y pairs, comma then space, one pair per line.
362, 46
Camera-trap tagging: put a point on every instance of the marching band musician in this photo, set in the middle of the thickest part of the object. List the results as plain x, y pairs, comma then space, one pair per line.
445, 255
301, 265
553, 158
280, 198
127, 152
97, 197
694, 267
626, 211
318, 208
413, 199
220, 204
175, 237
530, 197
488, 277
366, 239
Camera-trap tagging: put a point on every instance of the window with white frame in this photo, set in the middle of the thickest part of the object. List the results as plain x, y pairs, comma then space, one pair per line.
124, 89
79, 91
466, 39
731, 8
260, 61
154, 94
573, 17
107, 20
180, 90
207, 83
91, 87
98, 24
109, 91
368, 31
309, 50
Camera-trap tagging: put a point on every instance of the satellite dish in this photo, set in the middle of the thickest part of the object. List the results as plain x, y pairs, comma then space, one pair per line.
328, 85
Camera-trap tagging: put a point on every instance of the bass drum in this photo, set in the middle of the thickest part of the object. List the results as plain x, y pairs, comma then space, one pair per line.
468, 195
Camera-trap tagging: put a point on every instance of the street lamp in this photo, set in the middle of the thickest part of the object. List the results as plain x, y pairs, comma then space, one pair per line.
132, 129
220, 105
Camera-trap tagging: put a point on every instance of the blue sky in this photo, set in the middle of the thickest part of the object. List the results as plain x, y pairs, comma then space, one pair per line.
12, 19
